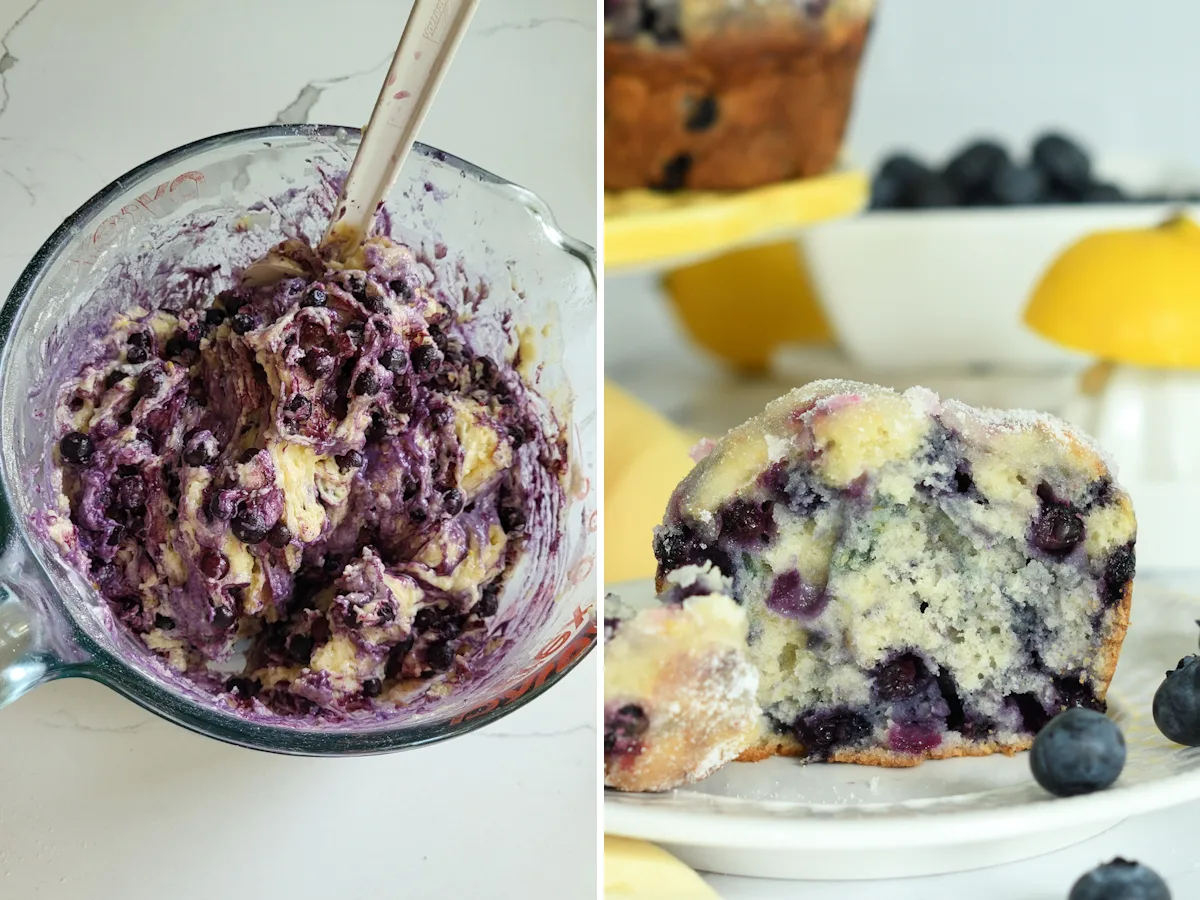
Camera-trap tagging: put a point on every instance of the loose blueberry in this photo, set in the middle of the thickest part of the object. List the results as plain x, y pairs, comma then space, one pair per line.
372, 687
1177, 703
1103, 192
139, 339
1078, 752
1016, 185
895, 181
932, 192
113, 378
400, 288
1120, 879
76, 447
972, 171
1064, 163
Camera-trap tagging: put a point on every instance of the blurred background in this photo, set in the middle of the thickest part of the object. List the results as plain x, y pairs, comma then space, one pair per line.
932, 286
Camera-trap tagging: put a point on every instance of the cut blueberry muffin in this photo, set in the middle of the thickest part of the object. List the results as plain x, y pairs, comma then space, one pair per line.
922, 579
679, 692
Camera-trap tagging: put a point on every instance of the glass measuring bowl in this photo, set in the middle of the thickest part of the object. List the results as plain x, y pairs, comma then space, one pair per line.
472, 227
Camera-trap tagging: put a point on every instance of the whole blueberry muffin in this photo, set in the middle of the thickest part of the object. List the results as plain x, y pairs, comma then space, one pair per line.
922, 579
323, 476
679, 691
716, 94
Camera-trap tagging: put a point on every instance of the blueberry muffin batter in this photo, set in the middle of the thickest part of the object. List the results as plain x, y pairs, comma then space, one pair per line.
922, 579
679, 691
319, 476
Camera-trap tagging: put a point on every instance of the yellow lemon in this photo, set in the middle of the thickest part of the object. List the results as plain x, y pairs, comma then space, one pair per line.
645, 457
636, 870
743, 305
1127, 296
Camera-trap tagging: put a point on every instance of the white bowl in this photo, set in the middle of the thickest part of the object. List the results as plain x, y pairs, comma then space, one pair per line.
948, 287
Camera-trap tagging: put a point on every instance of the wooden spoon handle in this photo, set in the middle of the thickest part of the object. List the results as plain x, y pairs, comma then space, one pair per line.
431, 37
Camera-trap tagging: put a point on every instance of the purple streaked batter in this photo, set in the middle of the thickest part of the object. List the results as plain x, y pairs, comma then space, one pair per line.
320, 476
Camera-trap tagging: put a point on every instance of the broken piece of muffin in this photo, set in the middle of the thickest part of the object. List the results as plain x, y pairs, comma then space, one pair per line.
679, 692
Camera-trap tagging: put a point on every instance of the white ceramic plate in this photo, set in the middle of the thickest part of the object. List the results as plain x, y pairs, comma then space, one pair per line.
787, 819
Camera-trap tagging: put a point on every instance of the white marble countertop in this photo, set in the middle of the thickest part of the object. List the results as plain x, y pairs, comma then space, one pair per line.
102, 800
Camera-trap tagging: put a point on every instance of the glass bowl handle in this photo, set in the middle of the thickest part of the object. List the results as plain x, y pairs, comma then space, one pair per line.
36, 643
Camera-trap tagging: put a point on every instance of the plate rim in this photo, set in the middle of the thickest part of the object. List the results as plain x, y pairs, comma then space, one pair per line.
907, 829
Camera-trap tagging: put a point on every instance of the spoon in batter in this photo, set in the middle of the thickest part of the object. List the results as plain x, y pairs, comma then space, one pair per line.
430, 40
